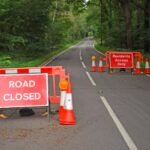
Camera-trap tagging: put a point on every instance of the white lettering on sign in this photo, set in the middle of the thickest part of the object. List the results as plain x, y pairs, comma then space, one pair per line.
20, 84
19, 96
122, 64
121, 56
121, 60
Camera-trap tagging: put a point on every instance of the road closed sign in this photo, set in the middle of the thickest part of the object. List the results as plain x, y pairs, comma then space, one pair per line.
23, 90
121, 60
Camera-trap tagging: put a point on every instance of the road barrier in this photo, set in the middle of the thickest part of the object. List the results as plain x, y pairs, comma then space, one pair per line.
122, 61
52, 71
22, 81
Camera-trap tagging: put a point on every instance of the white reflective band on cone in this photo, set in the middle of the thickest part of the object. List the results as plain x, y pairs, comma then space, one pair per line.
100, 63
138, 65
62, 98
147, 65
68, 102
93, 63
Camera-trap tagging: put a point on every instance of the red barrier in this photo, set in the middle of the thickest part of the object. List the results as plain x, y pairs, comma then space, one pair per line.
52, 71
122, 59
24, 90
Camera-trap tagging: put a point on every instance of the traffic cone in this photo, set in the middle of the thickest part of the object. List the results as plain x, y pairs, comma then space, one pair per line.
63, 84
100, 67
93, 68
137, 67
67, 117
147, 69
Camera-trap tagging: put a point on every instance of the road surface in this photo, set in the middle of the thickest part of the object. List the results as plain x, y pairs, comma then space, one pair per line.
112, 111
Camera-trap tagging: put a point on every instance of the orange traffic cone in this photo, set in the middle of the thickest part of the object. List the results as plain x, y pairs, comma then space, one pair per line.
147, 69
137, 67
63, 84
93, 68
68, 118
100, 67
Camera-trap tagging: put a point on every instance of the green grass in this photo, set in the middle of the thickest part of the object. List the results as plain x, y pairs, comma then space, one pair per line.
104, 49
17, 59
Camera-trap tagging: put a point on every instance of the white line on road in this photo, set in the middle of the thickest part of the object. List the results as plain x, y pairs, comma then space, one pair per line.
120, 127
81, 58
97, 50
80, 55
148, 75
91, 79
83, 64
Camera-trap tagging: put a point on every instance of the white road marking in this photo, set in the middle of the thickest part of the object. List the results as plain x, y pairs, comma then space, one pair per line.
81, 58
83, 64
80, 55
120, 127
91, 79
97, 50
148, 75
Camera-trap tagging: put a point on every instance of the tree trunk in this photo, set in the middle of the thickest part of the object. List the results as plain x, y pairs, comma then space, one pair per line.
127, 14
146, 26
101, 34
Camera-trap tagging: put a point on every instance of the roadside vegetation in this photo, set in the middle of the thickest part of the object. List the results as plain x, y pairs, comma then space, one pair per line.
120, 24
34, 31
104, 49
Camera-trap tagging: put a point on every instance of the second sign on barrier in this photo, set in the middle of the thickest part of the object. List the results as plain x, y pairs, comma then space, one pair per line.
121, 60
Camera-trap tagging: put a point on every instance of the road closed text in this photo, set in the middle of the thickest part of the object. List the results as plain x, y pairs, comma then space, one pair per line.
21, 96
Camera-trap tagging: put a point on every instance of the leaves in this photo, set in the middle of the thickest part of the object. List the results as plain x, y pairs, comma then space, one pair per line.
120, 23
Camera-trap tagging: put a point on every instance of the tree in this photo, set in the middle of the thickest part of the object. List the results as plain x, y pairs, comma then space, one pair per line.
117, 22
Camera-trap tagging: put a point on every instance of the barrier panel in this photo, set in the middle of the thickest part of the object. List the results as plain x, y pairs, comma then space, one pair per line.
52, 71
122, 59
28, 87
24, 90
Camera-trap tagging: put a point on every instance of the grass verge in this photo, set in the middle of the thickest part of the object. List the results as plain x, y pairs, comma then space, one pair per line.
104, 49
17, 59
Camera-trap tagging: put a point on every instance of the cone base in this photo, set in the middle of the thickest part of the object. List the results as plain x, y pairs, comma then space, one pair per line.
93, 69
137, 71
61, 112
147, 71
67, 118
100, 69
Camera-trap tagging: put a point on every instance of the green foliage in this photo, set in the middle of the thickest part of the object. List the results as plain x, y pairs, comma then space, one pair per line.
29, 30
120, 23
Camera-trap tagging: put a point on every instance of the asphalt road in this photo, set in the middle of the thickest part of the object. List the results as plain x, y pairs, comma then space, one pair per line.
112, 111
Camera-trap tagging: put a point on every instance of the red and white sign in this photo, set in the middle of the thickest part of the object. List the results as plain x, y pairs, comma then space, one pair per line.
23, 90
121, 60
